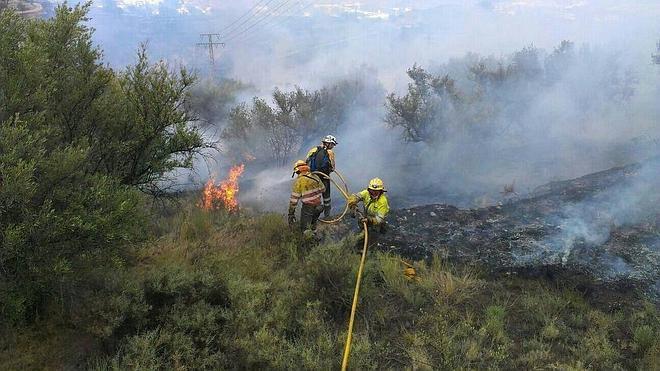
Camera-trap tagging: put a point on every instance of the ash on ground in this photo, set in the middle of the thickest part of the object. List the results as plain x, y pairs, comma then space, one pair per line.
598, 232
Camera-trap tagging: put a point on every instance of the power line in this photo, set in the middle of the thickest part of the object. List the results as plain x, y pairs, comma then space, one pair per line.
241, 17
273, 21
264, 6
269, 22
257, 22
211, 44
230, 32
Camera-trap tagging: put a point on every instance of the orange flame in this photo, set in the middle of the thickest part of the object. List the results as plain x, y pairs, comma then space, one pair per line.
223, 195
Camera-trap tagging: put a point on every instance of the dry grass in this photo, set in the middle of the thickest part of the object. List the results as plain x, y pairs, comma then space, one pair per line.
223, 291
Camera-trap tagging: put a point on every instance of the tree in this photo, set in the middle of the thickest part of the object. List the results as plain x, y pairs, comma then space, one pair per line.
57, 221
293, 119
279, 125
151, 132
502, 96
213, 100
136, 123
78, 142
558, 62
426, 111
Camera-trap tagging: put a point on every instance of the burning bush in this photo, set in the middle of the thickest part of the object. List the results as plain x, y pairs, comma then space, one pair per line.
223, 195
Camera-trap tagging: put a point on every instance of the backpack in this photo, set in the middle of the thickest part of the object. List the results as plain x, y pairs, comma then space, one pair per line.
319, 160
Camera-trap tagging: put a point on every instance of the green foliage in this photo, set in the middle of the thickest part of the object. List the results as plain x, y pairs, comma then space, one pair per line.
133, 126
294, 119
484, 96
57, 221
426, 111
77, 142
241, 291
149, 132
212, 100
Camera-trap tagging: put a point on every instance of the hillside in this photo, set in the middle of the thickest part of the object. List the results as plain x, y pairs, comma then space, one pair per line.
106, 265
595, 230
216, 290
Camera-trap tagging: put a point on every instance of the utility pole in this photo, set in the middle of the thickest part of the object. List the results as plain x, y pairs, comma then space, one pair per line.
656, 57
211, 44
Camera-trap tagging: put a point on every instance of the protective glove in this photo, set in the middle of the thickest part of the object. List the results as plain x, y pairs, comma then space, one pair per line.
364, 220
292, 220
352, 202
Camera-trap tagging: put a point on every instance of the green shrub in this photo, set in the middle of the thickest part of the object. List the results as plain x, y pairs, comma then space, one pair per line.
243, 295
644, 337
329, 276
598, 351
77, 142
62, 222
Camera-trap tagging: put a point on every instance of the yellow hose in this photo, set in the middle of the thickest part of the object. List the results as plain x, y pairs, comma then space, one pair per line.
342, 180
326, 176
344, 192
349, 336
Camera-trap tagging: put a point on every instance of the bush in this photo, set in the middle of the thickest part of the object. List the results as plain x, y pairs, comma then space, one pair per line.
77, 143
246, 294
57, 221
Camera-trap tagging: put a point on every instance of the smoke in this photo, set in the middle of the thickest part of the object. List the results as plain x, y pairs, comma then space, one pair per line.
528, 130
531, 130
306, 41
591, 115
580, 122
597, 230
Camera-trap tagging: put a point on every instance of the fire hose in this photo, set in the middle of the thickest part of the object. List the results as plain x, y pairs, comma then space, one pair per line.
344, 192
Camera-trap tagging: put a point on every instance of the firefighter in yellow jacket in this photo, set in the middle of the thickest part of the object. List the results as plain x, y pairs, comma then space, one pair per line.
376, 205
309, 189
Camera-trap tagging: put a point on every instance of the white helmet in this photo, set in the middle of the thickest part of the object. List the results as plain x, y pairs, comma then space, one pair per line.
329, 139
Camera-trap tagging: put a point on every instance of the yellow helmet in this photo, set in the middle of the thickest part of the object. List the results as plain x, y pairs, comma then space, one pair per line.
376, 184
298, 164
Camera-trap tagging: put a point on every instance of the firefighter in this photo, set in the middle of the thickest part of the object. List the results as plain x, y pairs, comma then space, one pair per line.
322, 158
309, 189
376, 205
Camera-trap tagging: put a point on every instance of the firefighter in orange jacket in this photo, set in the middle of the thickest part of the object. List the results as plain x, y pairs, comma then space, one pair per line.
309, 189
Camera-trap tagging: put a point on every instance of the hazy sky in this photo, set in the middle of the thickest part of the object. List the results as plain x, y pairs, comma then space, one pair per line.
311, 43
273, 41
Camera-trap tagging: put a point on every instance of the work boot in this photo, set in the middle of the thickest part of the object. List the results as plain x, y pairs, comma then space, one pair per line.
326, 211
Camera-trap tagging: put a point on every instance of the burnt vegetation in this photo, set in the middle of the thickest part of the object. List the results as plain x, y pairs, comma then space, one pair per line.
94, 276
